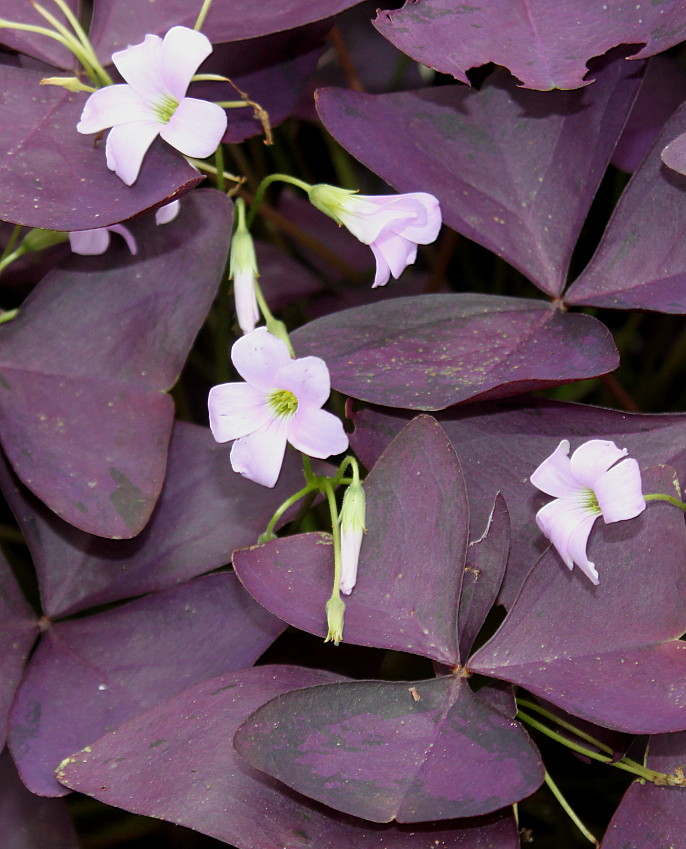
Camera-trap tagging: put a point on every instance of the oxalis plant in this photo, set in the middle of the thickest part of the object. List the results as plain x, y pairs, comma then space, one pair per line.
422, 581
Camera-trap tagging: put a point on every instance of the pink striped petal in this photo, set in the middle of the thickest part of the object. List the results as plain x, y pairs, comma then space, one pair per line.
195, 128
316, 433
236, 409
259, 456
126, 146
258, 356
619, 492
183, 51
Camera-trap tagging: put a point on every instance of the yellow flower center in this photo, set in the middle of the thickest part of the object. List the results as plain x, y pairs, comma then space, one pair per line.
590, 502
282, 402
165, 108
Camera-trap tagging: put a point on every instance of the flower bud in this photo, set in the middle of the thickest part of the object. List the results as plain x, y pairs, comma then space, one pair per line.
39, 240
243, 272
352, 522
335, 609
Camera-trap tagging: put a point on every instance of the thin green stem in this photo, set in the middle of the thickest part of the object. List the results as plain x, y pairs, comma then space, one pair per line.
14, 235
568, 810
219, 160
333, 510
274, 326
278, 513
232, 104
204, 166
11, 257
202, 14
264, 185
8, 315
348, 461
582, 735
74, 23
658, 496
624, 764
83, 54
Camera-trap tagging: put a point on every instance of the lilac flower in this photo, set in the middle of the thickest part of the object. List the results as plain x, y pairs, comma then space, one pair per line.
153, 102
280, 402
95, 242
392, 225
588, 484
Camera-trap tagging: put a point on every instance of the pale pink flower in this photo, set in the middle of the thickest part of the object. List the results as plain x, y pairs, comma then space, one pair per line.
588, 484
279, 402
243, 272
167, 213
153, 102
392, 225
95, 242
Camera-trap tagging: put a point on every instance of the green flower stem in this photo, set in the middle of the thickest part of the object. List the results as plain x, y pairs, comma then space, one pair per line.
310, 476
202, 14
219, 161
658, 496
8, 315
289, 502
274, 326
11, 257
577, 732
264, 185
624, 764
81, 48
327, 487
352, 462
11, 242
204, 166
568, 809
82, 37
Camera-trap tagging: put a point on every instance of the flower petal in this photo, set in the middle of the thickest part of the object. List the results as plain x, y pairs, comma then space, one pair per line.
126, 235
307, 378
183, 51
89, 242
109, 106
167, 213
619, 492
195, 128
141, 65
259, 456
247, 311
393, 252
367, 216
554, 476
236, 409
351, 542
316, 433
258, 356
126, 146
593, 459
424, 228
567, 526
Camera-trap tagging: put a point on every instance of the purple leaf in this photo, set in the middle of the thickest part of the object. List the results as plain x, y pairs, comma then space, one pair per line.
515, 171
29, 822
545, 45
610, 654
283, 279
651, 817
500, 444
393, 750
90, 675
663, 89
33, 44
432, 351
56, 178
83, 368
415, 542
114, 27
641, 260
205, 510
177, 762
483, 574
18, 632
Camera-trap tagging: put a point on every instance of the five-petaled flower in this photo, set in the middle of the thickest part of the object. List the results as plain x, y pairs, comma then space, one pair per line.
153, 102
588, 484
279, 402
392, 225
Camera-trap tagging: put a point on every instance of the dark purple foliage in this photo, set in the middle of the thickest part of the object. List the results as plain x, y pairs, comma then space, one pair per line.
84, 368
177, 762
544, 43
